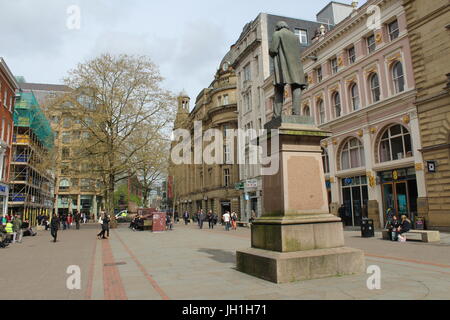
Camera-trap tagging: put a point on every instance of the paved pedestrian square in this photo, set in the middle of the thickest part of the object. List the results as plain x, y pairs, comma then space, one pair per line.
192, 264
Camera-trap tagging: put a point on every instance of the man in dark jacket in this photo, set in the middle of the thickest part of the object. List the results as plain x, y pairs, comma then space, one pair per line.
54, 227
77, 220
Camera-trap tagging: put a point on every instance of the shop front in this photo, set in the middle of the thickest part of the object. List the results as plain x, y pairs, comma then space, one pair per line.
399, 189
355, 199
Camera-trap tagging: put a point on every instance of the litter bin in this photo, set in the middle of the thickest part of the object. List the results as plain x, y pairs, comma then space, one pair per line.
367, 228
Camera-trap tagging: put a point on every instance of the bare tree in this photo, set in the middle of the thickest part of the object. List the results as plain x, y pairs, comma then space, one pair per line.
123, 99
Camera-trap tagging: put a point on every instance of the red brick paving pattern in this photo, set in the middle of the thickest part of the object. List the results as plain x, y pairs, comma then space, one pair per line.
112, 282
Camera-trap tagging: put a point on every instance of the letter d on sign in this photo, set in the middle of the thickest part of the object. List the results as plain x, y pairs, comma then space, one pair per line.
74, 280
374, 281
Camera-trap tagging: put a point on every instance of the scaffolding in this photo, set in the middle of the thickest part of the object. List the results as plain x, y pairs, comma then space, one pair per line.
31, 181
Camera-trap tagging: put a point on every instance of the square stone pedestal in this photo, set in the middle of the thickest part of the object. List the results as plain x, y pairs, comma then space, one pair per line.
297, 238
288, 267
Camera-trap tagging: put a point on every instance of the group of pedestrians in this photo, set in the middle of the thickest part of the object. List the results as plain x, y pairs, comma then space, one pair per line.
13, 229
228, 220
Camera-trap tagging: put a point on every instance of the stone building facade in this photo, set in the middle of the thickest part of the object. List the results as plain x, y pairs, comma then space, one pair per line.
208, 186
76, 185
428, 24
362, 90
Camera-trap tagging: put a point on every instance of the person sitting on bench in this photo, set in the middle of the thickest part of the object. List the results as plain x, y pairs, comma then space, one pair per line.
393, 226
405, 227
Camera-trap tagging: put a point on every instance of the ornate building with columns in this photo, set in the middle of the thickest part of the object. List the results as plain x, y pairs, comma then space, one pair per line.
362, 90
208, 186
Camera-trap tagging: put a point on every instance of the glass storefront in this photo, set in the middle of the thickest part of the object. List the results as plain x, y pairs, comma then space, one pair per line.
355, 199
400, 191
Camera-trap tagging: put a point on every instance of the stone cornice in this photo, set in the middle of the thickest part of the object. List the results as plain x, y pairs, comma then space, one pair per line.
341, 28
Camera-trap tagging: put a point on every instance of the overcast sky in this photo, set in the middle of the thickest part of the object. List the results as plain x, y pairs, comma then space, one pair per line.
187, 39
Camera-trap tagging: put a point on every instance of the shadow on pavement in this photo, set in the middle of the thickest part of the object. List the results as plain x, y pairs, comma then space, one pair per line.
221, 256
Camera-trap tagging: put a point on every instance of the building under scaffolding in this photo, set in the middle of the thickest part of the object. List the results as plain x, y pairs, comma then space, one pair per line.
31, 183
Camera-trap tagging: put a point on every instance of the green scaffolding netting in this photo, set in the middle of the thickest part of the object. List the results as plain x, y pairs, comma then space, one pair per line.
27, 113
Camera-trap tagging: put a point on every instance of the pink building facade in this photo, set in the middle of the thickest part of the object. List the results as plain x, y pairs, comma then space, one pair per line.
362, 90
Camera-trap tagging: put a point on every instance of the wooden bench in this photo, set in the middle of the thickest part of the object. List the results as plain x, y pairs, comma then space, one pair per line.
243, 224
427, 235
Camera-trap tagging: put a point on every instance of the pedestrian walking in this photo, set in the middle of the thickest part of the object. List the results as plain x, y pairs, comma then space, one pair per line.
77, 220
63, 220
201, 219
17, 229
69, 220
54, 227
169, 225
186, 218
234, 219
210, 218
105, 227
226, 220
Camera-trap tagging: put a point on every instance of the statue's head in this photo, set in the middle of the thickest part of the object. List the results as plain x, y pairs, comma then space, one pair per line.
282, 25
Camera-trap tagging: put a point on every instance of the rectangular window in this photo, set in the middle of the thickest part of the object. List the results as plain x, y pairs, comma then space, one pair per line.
351, 55
371, 45
247, 73
319, 74
257, 65
5, 98
219, 101
225, 100
393, 30
67, 123
8, 135
3, 129
334, 65
302, 36
65, 154
247, 101
226, 177
227, 153
66, 137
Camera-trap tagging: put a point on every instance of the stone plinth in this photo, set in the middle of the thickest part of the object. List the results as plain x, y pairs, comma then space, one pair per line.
297, 238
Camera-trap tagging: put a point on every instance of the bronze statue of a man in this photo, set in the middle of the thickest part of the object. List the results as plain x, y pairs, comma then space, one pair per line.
285, 51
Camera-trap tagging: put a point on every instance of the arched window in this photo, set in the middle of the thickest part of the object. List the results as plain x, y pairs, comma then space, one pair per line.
352, 155
354, 95
395, 144
375, 87
64, 185
398, 77
321, 109
307, 111
337, 104
326, 161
